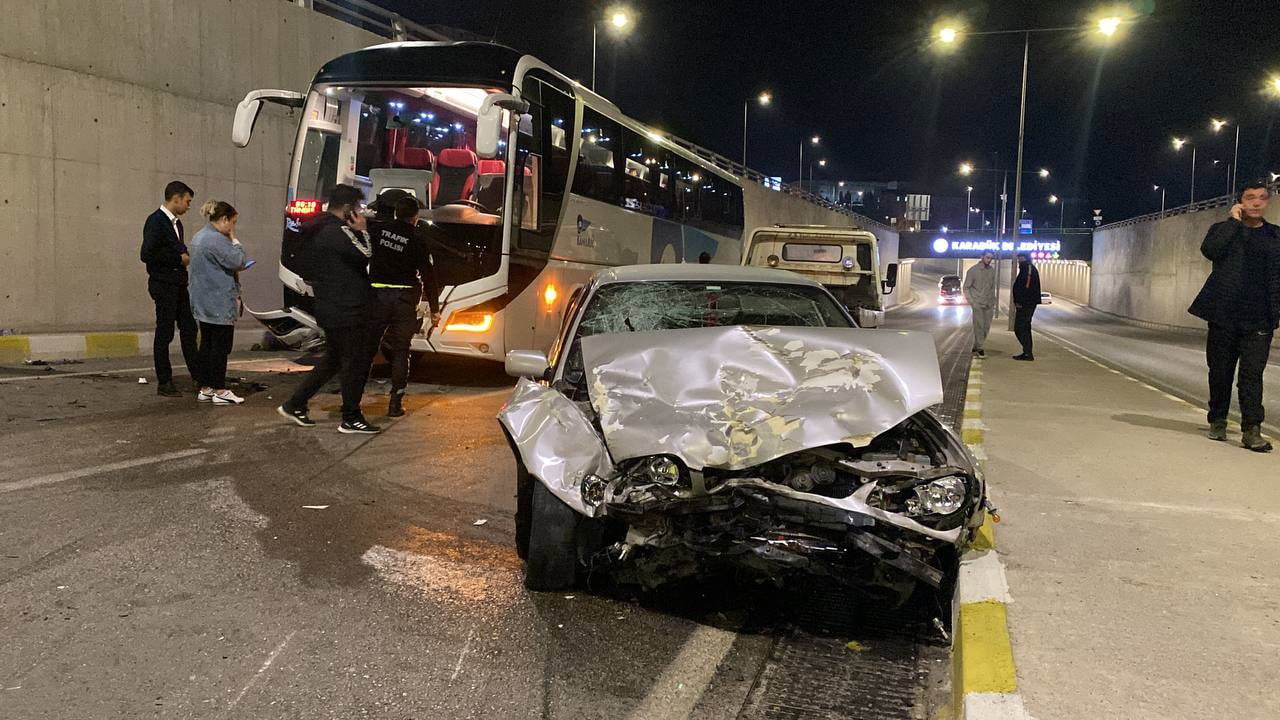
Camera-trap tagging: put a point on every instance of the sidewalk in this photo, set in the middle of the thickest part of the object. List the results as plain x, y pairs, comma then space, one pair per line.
1140, 555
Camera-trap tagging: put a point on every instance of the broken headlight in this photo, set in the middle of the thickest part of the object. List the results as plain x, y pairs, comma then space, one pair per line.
661, 470
937, 497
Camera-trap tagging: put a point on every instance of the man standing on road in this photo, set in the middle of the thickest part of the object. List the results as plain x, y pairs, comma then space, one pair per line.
164, 251
980, 291
1241, 302
338, 251
398, 271
1026, 296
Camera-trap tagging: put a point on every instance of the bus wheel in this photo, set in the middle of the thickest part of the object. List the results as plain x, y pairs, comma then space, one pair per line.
552, 560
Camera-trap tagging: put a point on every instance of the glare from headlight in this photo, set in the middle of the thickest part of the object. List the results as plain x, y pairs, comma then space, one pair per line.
938, 497
592, 489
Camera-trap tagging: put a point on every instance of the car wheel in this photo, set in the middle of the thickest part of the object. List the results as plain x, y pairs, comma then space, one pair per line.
552, 558
524, 509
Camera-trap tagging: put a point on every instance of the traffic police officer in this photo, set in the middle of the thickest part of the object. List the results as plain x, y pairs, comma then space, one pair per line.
399, 270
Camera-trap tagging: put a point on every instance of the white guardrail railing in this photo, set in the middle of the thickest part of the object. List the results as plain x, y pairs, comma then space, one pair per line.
384, 22
1213, 202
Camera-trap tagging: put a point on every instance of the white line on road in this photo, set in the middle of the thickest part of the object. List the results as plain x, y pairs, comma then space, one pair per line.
265, 665
97, 470
676, 692
149, 368
465, 647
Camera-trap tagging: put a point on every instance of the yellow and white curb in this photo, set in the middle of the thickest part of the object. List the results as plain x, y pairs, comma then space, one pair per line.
79, 346
984, 681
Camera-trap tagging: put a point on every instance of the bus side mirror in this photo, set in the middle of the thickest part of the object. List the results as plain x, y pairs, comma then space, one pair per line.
527, 363
248, 109
489, 121
890, 280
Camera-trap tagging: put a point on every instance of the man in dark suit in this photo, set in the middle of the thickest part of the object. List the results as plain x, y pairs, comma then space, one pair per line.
1240, 301
164, 251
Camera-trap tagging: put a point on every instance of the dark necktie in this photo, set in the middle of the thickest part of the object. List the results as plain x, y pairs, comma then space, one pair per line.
177, 223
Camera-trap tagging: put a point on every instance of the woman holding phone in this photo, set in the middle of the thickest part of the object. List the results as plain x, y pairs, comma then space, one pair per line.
216, 259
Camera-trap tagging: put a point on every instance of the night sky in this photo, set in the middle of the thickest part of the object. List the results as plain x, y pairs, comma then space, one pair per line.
864, 77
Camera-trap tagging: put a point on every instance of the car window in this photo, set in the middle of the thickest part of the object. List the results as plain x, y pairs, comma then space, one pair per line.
650, 306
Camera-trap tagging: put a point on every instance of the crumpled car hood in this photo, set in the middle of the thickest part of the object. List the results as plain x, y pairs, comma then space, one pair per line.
735, 397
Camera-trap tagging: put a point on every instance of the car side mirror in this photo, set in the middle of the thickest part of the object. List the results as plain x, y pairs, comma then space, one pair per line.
489, 121
527, 363
248, 109
890, 280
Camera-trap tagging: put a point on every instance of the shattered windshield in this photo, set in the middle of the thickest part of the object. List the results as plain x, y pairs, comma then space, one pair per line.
652, 306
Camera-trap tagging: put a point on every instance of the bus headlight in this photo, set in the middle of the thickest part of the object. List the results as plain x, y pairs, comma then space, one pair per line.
470, 321
847, 263
772, 260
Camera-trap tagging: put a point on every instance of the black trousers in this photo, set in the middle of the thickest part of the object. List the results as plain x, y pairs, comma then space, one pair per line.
173, 307
1022, 326
1226, 349
215, 346
393, 319
345, 355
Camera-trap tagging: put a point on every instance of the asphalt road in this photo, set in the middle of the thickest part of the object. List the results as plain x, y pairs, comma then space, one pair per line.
160, 558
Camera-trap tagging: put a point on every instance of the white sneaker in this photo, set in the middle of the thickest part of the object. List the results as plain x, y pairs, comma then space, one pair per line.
226, 397
204, 395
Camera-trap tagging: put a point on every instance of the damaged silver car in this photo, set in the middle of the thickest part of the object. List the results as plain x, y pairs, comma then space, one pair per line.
695, 417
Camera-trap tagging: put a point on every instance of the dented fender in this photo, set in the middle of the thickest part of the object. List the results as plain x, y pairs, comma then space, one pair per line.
556, 441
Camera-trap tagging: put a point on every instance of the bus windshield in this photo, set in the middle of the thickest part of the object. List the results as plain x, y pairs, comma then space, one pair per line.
420, 140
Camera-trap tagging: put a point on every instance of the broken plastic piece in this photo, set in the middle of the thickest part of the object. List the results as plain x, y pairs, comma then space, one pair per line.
481, 521
315, 507
142, 381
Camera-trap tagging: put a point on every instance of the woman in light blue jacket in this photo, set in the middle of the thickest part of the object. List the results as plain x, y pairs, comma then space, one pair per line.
216, 260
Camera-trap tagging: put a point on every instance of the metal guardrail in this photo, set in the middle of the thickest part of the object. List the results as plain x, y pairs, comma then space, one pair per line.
366, 15
375, 19
1214, 202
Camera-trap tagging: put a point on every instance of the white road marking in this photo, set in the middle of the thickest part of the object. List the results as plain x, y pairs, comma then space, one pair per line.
97, 470
265, 665
465, 647
995, 706
676, 692
982, 579
149, 368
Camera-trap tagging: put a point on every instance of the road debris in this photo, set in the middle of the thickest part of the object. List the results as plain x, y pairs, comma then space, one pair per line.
315, 507
481, 521
142, 381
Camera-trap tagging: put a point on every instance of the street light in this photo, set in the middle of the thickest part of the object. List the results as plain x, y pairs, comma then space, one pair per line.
1177, 146
812, 141
966, 168
948, 35
1043, 172
968, 201
1162, 189
763, 99
620, 21
1109, 25
1235, 154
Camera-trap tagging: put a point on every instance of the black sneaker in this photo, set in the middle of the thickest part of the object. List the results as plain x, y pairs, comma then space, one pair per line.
1251, 438
1024, 356
395, 406
169, 390
981, 353
298, 416
1218, 430
359, 426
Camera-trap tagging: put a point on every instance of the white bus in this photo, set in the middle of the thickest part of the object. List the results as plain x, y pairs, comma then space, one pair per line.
532, 183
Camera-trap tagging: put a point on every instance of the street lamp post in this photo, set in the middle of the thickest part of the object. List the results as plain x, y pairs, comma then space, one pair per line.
968, 203
1235, 153
763, 99
1162, 189
812, 141
1107, 26
619, 19
1177, 145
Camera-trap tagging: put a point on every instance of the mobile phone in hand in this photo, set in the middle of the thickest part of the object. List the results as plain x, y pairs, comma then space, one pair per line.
248, 264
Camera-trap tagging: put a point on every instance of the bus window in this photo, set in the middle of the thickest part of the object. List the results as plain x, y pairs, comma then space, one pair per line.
544, 159
318, 172
596, 176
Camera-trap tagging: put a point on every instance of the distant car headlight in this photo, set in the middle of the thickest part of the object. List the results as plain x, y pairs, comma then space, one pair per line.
937, 497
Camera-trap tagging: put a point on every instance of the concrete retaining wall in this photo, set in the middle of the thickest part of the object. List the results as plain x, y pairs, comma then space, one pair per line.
101, 104
1152, 271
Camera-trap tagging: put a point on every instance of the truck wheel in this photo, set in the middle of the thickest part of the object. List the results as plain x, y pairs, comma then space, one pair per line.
552, 561
524, 509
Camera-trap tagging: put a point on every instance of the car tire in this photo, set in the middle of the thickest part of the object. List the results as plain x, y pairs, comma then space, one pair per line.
552, 560
524, 509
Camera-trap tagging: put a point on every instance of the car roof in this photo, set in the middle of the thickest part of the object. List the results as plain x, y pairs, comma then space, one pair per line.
700, 272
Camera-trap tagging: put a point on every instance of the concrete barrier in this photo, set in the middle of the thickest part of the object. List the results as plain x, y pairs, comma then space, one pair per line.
101, 104
1151, 271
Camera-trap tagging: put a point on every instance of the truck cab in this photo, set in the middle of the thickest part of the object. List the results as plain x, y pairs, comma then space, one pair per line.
845, 261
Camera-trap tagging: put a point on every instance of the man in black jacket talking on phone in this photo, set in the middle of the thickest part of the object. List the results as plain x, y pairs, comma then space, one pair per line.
1241, 302
337, 248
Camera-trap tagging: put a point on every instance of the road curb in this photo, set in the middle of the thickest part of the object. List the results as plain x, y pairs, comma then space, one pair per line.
86, 345
984, 681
